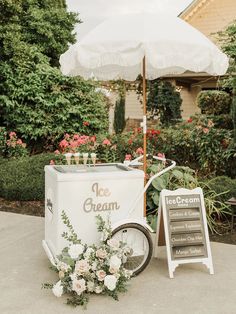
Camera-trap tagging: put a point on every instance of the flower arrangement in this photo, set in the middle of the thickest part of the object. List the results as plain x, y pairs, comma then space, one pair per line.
85, 269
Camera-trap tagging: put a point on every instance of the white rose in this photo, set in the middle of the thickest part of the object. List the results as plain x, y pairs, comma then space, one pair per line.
98, 289
115, 262
58, 289
90, 286
114, 244
113, 270
75, 250
63, 266
100, 253
78, 286
101, 274
82, 267
110, 282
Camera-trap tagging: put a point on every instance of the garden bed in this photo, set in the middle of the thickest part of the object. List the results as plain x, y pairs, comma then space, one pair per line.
36, 208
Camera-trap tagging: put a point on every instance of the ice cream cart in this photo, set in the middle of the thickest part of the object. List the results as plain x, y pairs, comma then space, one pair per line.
83, 192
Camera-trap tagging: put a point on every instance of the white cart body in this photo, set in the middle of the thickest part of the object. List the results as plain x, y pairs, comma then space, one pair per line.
84, 192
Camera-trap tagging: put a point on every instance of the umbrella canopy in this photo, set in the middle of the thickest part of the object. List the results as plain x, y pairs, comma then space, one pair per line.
152, 45
116, 47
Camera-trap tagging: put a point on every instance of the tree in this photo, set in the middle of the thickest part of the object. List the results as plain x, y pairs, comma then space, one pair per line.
228, 44
119, 115
36, 100
164, 101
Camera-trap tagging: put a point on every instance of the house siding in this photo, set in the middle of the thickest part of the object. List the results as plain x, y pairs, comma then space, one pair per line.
212, 17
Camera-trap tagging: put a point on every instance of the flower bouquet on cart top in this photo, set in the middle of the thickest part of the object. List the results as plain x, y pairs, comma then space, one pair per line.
86, 269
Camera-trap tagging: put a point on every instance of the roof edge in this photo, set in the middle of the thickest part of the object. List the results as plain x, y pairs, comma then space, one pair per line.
192, 8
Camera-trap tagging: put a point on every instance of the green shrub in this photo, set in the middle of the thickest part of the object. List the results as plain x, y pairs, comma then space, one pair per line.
119, 115
3, 138
23, 179
224, 186
214, 102
164, 101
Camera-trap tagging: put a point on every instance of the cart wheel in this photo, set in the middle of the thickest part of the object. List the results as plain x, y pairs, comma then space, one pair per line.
139, 241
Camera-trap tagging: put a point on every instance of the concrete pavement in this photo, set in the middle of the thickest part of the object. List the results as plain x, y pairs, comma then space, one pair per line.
24, 267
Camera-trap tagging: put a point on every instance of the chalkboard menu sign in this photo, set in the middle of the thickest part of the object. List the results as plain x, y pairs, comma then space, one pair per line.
185, 227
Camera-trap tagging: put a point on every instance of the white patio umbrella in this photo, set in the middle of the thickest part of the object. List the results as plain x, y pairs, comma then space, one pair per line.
153, 45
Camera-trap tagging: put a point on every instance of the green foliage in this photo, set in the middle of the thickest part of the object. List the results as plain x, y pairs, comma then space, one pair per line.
224, 186
43, 105
228, 45
214, 102
45, 26
3, 139
23, 179
36, 100
119, 115
164, 101
233, 113
69, 235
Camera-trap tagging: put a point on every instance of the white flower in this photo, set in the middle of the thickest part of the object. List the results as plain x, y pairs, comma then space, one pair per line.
115, 262
113, 270
63, 266
98, 289
101, 274
100, 253
58, 289
78, 286
88, 252
75, 250
82, 267
110, 282
73, 276
94, 266
114, 244
90, 286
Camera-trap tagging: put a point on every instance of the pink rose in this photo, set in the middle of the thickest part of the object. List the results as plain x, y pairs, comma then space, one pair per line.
19, 142
205, 130
101, 274
161, 155
57, 152
100, 253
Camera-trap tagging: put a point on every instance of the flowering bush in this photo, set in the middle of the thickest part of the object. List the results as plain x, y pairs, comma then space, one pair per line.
84, 269
15, 147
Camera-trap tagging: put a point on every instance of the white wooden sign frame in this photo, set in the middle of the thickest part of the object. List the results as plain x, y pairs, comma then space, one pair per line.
162, 213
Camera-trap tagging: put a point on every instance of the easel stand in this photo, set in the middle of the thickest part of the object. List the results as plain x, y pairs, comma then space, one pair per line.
182, 214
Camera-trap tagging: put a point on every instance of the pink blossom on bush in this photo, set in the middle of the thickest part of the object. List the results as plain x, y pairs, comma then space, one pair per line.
161, 155
19, 142
106, 142
12, 134
128, 157
205, 130
52, 162
64, 144
57, 152
139, 151
85, 123
190, 120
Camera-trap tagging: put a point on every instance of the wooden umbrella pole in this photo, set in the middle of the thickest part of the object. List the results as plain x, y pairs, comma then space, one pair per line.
144, 131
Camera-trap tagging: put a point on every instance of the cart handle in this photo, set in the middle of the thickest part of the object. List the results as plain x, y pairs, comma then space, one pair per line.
158, 174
